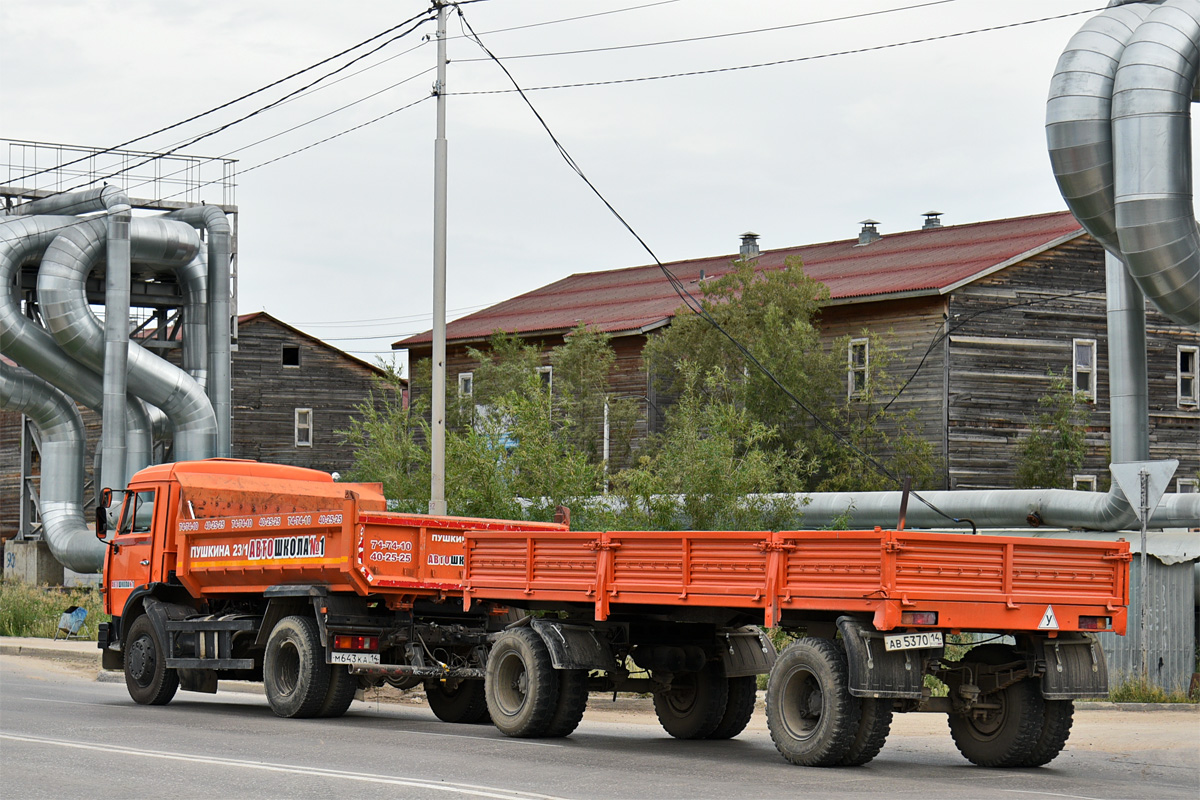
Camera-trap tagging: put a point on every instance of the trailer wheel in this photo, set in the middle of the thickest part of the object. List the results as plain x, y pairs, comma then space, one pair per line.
149, 681
739, 708
811, 715
522, 684
873, 728
1005, 736
342, 686
695, 704
295, 675
572, 702
457, 701
1055, 731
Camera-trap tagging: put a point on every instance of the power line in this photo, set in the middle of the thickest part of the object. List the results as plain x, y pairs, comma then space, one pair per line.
690, 301
726, 35
778, 62
571, 19
229, 103
241, 119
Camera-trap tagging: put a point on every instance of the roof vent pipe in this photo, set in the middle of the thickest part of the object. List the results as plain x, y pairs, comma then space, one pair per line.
869, 232
932, 220
749, 248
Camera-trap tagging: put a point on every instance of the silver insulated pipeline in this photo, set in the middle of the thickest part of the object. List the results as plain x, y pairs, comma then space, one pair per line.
61, 496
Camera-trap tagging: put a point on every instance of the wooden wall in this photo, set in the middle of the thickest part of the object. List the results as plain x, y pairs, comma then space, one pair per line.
266, 395
1013, 327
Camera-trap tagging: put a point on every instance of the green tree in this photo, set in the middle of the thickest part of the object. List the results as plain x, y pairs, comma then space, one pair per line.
390, 442
713, 468
775, 315
1053, 451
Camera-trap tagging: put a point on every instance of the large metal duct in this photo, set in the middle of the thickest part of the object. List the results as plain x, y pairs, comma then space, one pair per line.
61, 497
1118, 130
1151, 130
220, 381
23, 239
61, 290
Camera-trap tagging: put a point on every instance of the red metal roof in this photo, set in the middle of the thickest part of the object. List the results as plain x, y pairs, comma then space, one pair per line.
913, 262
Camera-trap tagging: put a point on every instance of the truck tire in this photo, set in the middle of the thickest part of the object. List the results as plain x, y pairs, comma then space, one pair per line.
572, 702
695, 704
1055, 731
873, 728
1007, 736
295, 675
739, 708
812, 717
521, 685
149, 681
342, 686
460, 701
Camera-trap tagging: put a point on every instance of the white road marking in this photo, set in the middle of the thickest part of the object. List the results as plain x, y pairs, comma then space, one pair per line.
1051, 794
473, 790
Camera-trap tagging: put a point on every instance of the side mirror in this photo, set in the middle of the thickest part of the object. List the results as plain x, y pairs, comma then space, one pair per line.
105, 500
102, 518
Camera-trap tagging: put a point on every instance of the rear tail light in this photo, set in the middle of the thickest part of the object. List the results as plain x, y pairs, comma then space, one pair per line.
343, 642
1095, 623
918, 618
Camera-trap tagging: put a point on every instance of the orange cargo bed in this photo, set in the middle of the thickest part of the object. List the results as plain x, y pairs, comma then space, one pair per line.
973, 582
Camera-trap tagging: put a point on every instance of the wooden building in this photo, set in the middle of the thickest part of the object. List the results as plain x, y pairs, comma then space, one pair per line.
292, 393
978, 315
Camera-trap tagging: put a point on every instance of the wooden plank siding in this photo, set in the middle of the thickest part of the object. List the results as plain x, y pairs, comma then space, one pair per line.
1010, 329
266, 395
911, 328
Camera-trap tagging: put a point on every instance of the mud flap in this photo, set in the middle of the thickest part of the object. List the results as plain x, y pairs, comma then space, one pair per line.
574, 646
1075, 667
874, 672
745, 651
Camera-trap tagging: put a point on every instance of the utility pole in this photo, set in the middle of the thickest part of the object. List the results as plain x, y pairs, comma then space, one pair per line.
437, 455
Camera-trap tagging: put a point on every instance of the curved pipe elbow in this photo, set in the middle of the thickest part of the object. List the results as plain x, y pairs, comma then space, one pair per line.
61, 497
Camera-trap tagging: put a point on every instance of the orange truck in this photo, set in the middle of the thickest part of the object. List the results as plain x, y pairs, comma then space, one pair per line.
227, 569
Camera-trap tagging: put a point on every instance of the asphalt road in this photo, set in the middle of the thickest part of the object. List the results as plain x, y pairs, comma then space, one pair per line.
63, 734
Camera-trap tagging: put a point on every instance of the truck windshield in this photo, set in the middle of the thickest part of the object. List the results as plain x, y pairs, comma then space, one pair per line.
138, 513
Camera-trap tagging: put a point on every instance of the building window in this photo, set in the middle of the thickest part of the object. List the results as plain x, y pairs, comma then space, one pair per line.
304, 427
857, 362
466, 384
291, 356
547, 376
1187, 485
1085, 483
1085, 368
1188, 376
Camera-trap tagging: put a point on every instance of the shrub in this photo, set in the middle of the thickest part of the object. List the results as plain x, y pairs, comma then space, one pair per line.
27, 610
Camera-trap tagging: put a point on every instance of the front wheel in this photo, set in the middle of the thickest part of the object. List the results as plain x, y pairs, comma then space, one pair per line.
694, 705
295, 675
149, 681
812, 717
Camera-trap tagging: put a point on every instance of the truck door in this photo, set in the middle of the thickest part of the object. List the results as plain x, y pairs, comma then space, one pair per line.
135, 545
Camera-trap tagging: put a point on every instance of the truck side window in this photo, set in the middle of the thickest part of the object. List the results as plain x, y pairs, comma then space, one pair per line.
138, 514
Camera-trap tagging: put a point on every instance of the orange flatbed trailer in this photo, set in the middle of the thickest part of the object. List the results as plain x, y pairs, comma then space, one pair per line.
232, 569
977, 583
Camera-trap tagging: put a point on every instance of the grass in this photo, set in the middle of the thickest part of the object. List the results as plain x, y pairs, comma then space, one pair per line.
1139, 690
27, 610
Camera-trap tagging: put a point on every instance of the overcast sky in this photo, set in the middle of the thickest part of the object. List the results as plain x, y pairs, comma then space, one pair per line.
341, 233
